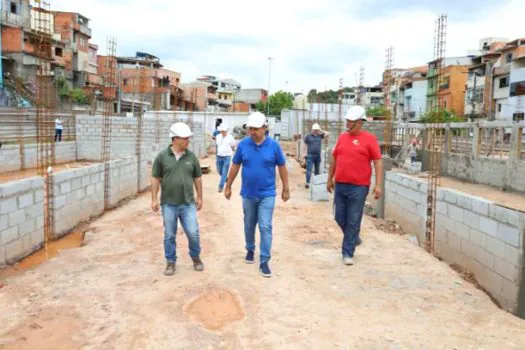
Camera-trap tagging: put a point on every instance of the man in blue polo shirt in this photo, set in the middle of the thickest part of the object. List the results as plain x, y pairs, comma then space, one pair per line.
259, 155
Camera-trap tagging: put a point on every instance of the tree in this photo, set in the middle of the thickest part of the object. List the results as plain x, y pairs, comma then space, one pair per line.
278, 101
79, 96
379, 111
441, 116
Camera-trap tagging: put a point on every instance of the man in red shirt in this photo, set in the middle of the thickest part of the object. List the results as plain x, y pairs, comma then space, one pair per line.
355, 150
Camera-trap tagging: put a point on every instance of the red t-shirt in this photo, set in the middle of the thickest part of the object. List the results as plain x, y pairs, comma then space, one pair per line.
353, 155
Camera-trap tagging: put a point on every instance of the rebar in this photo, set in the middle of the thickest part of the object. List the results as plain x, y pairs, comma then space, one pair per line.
143, 79
110, 84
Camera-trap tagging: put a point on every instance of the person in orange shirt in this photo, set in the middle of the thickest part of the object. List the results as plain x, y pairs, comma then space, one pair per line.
353, 154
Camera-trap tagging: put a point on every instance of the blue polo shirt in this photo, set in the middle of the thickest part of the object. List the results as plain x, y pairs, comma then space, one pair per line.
258, 166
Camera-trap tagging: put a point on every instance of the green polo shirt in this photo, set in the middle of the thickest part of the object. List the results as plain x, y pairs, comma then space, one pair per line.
176, 176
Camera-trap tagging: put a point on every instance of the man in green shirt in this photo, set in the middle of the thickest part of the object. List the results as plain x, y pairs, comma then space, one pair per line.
177, 170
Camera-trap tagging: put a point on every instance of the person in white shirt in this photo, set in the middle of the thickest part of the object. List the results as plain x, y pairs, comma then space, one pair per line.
225, 147
58, 130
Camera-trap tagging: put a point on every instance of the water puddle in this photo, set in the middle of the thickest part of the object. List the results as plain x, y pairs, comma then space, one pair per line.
70, 241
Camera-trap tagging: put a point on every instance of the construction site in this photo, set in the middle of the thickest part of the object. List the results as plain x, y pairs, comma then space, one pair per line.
81, 257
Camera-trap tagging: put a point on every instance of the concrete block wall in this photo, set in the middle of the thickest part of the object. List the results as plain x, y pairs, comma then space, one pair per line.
79, 196
123, 179
21, 218
123, 137
500, 173
65, 152
481, 236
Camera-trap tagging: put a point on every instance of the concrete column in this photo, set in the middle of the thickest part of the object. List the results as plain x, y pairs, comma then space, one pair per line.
515, 142
387, 166
476, 141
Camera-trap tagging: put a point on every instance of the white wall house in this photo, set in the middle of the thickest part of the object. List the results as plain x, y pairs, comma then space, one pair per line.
415, 99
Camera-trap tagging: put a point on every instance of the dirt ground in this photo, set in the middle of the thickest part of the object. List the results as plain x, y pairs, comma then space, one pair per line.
111, 293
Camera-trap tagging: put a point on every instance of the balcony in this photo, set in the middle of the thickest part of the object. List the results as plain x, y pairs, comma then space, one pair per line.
14, 20
502, 70
85, 30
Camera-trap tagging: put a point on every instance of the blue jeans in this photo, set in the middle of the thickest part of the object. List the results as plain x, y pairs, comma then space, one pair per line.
312, 160
259, 211
349, 206
223, 166
187, 214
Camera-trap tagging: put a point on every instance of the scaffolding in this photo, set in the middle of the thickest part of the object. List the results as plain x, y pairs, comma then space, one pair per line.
110, 84
434, 137
45, 104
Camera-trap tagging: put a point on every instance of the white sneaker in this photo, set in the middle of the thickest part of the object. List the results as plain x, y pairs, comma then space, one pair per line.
348, 260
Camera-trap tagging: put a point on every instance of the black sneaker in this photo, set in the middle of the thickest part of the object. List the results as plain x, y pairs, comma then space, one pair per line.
250, 257
265, 270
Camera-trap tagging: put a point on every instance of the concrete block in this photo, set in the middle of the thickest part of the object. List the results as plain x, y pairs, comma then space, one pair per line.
488, 226
60, 201
480, 206
454, 241
4, 222
468, 248
65, 188
513, 255
25, 200
9, 235
319, 179
505, 269
495, 246
509, 291
505, 215
17, 217
37, 182
492, 281
440, 194
319, 193
472, 219
451, 196
455, 213
14, 249
38, 195
485, 258
26, 227
441, 208
15, 187
40, 222
8, 205
76, 184
462, 230
2, 255
509, 234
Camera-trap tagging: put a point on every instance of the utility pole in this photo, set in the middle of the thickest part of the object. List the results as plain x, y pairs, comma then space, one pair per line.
473, 97
269, 79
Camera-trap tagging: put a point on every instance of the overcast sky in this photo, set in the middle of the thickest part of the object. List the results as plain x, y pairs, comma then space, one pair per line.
313, 43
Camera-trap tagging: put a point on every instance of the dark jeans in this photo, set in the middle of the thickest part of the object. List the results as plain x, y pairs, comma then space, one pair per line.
312, 160
58, 135
349, 206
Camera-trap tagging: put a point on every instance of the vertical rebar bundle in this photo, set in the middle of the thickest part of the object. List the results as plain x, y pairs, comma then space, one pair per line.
110, 85
389, 77
434, 134
45, 103
21, 120
144, 79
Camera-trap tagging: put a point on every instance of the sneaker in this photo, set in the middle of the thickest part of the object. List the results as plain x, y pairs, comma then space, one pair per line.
265, 270
197, 264
250, 257
306, 186
170, 269
348, 260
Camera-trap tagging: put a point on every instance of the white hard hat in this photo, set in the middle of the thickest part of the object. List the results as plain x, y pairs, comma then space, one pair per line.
223, 127
355, 113
256, 120
180, 130
316, 127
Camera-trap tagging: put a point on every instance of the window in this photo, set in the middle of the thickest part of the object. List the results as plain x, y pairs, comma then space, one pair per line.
518, 117
58, 51
125, 82
499, 107
517, 89
508, 58
14, 8
504, 82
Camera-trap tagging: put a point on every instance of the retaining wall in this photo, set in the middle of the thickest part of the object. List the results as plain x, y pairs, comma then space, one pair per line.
481, 236
123, 137
21, 218
78, 196
65, 152
483, 170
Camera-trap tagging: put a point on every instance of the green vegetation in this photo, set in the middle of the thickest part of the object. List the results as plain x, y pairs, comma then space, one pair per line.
441, 116
278, 101
379, 111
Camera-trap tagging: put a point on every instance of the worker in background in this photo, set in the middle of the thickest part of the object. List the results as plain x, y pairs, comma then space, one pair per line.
58, 129
312, 151
177, 170
258, 155
225, 147
355, 150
